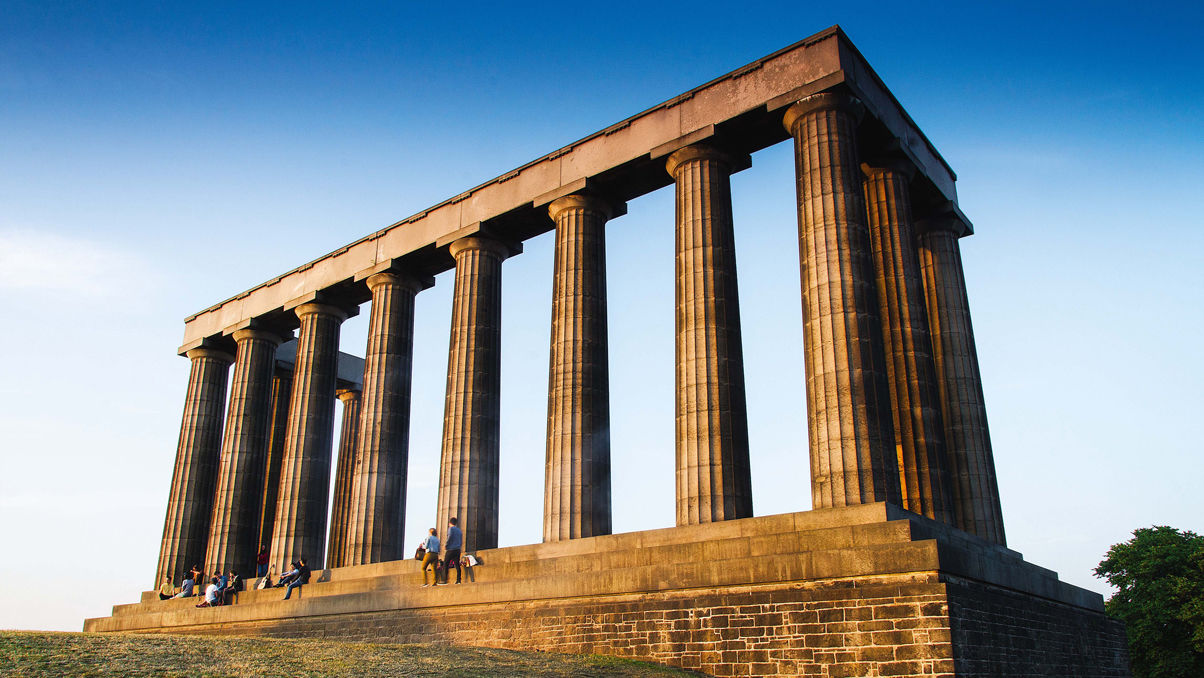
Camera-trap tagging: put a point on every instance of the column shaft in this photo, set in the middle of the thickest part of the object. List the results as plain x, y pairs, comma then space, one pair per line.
301, 507
713, 476
577, 469
348, 444
190, 503
239, 497
376, 514
282, 390
848, 406
911, 374
971, 462
468, 473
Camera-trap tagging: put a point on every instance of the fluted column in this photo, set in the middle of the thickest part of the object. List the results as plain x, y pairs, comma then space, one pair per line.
300, 530
911, 374
377, 510
468, 472
348, 444
282, 390
971, 463
190, 503
577, 468
238, 500
848, 405
713, 476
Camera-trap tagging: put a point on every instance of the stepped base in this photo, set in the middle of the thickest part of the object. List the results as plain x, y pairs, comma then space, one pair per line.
860, 591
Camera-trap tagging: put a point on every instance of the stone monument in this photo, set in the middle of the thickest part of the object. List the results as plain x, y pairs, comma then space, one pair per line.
899, 568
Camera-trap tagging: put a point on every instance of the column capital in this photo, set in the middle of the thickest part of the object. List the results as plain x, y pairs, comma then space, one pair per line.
479, 242
314, 307
583, 201
895, 164
395, 278
824, 101
347, 394
257, 333
703, 152
210, 353
945, 219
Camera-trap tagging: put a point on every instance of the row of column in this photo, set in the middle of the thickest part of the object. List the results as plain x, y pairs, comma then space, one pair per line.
894, 398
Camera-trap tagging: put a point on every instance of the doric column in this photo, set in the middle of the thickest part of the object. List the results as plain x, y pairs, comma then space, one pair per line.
237, 503
577, 470
300, 530
848, 406
377, 509
911, 374
348, 443
190, 503
713, 477
282, 390
468, 472
971, 463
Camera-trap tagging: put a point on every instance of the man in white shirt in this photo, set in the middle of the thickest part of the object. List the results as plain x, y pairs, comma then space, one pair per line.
210, 594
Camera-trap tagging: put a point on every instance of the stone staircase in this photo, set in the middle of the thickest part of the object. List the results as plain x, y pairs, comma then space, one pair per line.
852, 542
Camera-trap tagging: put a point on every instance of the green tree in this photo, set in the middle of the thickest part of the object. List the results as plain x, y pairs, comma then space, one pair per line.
1159, 581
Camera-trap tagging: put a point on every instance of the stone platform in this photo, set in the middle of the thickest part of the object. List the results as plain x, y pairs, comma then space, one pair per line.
870, 590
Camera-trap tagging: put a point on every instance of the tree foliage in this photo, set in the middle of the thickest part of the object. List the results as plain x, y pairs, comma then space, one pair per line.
1159, 581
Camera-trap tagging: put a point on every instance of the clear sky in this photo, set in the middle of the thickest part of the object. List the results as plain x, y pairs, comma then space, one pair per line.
156, 158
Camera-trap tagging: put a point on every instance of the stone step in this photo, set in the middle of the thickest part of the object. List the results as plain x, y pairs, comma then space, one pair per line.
856, 541
757, 545
391, 592
755, 537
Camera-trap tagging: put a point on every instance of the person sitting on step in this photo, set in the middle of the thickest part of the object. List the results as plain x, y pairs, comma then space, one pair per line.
166, 590
234, 586
186, 586
290, 575
298, 581
211, 599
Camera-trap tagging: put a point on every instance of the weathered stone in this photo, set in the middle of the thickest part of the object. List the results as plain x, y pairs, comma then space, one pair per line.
282, 390
238, 502
348, 444
911, 374
848, 405
971, 462
377, 505
303, 501
577, 469
665, 595
190, 503
714, 481
468, 472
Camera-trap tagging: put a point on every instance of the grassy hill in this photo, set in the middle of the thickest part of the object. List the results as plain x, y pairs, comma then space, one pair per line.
35, 653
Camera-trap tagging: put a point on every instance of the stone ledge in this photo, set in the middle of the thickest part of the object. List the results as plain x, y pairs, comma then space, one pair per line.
861, 541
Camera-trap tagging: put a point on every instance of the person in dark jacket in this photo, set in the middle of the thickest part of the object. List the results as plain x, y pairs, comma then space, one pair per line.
451, 554
300, 580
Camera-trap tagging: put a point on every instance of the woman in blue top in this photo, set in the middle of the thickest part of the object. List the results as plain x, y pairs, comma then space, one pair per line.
431, 559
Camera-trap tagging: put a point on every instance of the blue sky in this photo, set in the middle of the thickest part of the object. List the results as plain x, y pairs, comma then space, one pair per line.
157, 158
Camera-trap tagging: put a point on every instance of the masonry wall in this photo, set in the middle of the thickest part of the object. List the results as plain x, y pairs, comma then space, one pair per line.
997, 632
894, 627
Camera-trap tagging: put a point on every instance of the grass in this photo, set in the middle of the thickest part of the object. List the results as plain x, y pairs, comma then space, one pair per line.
36, 653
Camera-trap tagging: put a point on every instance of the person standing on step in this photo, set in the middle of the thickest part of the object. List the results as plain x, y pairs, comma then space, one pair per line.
261, 561
455, 542
430, 556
